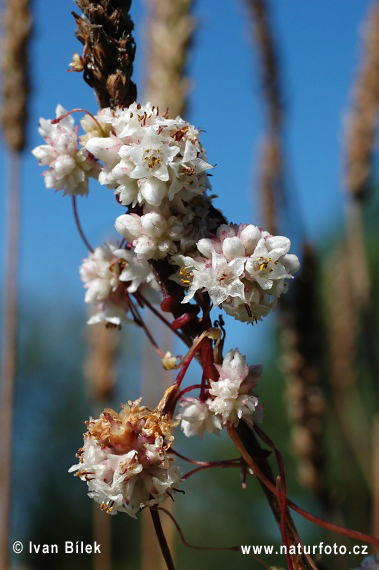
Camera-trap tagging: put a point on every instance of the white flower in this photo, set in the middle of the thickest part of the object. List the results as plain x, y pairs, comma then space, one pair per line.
217, 276
109, 274
152, 235
70, 167
232, 400
147, 157
196, 418
370, 563
242, 268
125, 459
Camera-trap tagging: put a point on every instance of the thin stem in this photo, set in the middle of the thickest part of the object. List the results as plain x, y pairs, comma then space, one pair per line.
139, 295
194, 547
58, 119
223, 464
79, 226
162, 539
139, 320
185, 365
234, 548
185, 391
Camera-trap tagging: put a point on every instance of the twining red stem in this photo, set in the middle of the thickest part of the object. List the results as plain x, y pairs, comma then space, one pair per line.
162, 539
79, 226
269, 485
195, 462
185, 366
231, 548
223, 464
138, 295
58, 119
186, 390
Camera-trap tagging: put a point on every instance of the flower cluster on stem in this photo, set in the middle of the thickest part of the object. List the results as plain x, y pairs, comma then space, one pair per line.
125, 459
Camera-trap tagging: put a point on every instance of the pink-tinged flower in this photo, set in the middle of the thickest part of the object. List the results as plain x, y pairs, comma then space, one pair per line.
109, 274
196, 418
153, 235
70, 167
232, 399
125, 459
243, 268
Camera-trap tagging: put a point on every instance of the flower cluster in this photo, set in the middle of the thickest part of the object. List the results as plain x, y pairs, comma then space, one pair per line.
243, 269
230, 398
159, 166
70, 167
147, 157
125, 459
109, 274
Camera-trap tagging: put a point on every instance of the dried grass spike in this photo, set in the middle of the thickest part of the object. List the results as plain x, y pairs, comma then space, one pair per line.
15, 68
362, 120
169, 36
109, 49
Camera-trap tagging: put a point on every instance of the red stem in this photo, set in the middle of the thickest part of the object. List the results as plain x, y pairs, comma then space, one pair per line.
185, 366
223, 464
320, 522
79, 226
231, 548
58, 119
139, 295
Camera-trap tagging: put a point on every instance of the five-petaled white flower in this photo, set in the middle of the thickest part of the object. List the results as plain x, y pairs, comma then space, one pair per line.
109, 274
70, 167
232, 399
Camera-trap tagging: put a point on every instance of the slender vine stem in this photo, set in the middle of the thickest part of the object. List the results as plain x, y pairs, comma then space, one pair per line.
79, 226
162, 539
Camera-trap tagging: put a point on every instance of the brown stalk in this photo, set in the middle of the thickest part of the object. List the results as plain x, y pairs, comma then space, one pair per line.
360, 150
271, 182
169, 38
343, 334
15, 91
301, 329
362, 118
99, 369
302, 334
109, 48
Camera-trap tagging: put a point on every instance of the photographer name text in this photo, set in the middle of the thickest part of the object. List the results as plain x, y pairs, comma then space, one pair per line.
69, 547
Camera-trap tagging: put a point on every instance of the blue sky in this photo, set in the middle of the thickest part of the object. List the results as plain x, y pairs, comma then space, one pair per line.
319, 45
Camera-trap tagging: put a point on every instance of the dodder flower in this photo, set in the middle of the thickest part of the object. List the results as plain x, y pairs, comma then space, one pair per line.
146, 156
243, 269
232, 398
196, 418
70, 167
125, 459
109, 274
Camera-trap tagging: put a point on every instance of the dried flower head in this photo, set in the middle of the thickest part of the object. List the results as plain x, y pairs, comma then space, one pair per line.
125, 459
